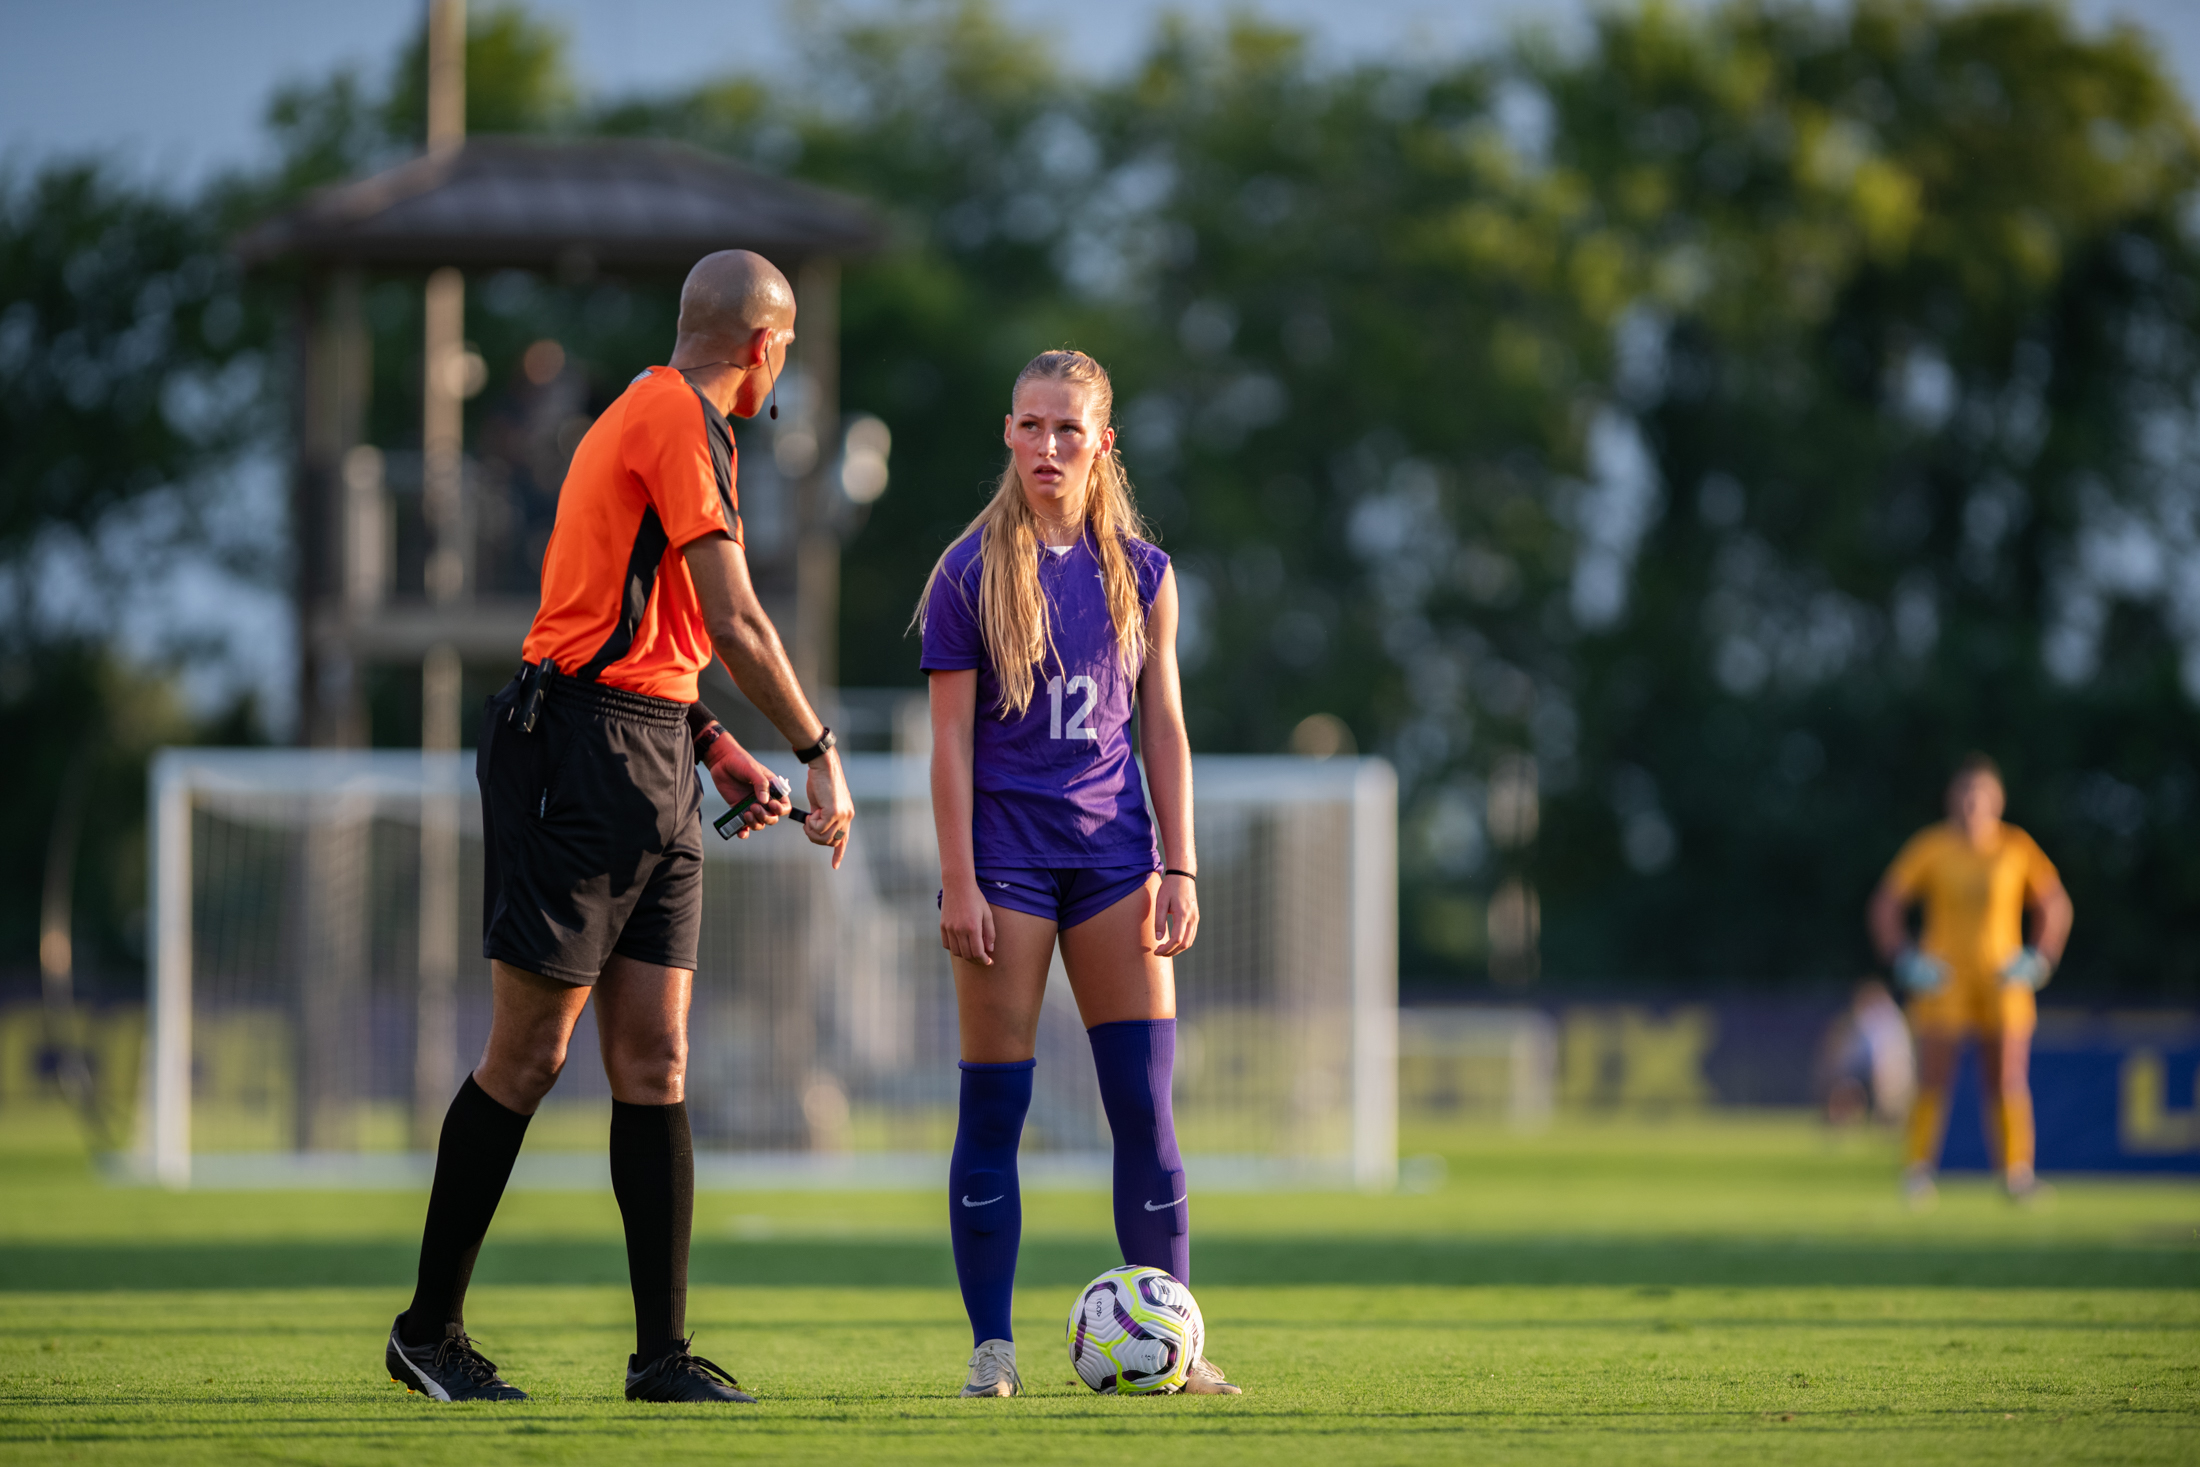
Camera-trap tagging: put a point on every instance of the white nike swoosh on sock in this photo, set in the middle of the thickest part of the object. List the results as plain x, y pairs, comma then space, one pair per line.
987, 1203
1164, 1206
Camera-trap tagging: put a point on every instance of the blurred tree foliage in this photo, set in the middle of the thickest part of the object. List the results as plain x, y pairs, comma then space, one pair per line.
1905, 306
126, 362
130, 374
1740, 415
1743, 415
137, 366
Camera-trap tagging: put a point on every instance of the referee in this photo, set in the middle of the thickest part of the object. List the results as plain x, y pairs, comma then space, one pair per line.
591, 815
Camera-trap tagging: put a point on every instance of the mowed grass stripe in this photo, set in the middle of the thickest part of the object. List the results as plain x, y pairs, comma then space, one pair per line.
1404, 1374
888, 1262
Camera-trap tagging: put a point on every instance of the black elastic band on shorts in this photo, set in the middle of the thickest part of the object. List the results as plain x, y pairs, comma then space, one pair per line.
619, 703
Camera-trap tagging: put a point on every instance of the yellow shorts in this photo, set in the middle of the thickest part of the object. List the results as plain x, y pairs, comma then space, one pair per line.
1975, 1003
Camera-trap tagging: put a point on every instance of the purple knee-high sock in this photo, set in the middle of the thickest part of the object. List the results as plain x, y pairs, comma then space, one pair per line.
1136, 1059
985, 1208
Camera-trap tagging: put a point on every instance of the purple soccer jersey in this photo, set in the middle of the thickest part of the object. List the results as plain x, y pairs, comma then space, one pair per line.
1058, 786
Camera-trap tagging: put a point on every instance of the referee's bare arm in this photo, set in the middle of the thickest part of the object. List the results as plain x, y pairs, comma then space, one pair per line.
750, 645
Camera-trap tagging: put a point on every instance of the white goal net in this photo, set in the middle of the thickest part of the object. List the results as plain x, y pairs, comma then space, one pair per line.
317, 989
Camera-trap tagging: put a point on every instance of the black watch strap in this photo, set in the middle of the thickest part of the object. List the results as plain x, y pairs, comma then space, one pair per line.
817, 750
703, 728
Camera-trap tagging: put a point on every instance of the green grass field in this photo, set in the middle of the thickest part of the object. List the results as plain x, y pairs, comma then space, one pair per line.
1730, 1288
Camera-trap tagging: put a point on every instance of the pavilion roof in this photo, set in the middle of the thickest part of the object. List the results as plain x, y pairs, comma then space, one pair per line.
600, 203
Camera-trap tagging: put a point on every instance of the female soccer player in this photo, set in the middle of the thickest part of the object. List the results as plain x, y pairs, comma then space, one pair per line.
1972, 973
1046, 625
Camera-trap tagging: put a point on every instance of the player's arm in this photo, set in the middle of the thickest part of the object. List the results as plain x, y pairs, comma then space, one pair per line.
2055, 913
750, 645
1168, 756
1886, 916
966, 921
2052, 914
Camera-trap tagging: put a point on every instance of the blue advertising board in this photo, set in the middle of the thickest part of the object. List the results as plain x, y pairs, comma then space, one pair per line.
2106, 1098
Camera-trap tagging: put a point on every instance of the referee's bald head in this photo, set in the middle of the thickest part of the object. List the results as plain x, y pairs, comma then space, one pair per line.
732, 293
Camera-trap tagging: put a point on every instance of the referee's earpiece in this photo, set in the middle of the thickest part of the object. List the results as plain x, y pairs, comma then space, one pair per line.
775, 379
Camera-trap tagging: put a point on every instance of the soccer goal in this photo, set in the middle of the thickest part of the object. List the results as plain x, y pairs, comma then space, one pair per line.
317, 988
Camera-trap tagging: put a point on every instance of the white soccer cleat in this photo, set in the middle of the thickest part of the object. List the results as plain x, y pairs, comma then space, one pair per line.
993, 1370
1205, 1379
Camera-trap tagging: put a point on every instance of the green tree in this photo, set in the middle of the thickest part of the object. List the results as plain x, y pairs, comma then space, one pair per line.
129, 380
518, 78
1742, 415
1910, 297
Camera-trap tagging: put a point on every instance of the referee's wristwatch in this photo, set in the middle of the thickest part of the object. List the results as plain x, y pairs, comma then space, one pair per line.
817, 750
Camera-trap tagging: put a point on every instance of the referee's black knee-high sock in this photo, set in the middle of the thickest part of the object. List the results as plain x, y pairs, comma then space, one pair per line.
653, 1176
473, 1161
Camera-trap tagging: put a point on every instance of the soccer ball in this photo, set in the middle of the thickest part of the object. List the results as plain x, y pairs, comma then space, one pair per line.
1135, 1332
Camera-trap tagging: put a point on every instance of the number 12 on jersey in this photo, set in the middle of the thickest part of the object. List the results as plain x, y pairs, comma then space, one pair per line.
1077, 729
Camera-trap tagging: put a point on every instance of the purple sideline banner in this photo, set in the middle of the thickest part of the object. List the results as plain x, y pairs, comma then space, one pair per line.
2110, 1094
2111, 1091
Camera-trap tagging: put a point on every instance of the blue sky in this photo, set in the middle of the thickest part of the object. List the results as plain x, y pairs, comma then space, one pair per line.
176, 88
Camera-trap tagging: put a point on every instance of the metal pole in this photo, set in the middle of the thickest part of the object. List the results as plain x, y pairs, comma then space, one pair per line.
442, 675
334, 365
171, 986
817, 543
1375, 976
446, 74
442, 434
435, 1033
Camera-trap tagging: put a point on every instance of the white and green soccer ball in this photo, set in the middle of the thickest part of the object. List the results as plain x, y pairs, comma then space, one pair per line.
1135, 1332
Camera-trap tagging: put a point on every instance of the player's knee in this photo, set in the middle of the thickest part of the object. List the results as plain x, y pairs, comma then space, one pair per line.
654, 1067
528, 1074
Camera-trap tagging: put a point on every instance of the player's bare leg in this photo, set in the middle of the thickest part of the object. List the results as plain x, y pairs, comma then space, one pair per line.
1937, 1054
531, 1021
1114, 973
997, 1005
2005, 1085
641, 1024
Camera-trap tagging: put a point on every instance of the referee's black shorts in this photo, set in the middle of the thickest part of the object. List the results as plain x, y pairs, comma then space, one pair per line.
593, 832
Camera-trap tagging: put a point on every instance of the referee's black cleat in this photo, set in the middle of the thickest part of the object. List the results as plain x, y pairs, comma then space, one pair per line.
451, 1369
681, 1376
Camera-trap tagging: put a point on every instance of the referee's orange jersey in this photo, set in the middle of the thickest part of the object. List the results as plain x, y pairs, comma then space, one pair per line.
653, 474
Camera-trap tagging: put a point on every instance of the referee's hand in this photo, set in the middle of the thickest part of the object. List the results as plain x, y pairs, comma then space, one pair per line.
832, 811
738, 776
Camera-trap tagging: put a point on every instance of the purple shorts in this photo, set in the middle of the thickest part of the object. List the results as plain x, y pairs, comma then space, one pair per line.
1065, 895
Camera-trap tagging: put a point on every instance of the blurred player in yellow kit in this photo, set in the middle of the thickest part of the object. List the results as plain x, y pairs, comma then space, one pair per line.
1972, 974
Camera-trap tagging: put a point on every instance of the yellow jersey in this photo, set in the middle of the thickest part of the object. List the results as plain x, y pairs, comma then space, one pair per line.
1974, 900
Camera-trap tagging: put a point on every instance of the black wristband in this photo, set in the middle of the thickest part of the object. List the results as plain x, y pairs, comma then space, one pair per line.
817, 750
1188, 876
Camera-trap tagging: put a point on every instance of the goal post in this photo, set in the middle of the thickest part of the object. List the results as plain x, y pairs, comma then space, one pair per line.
316, 985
